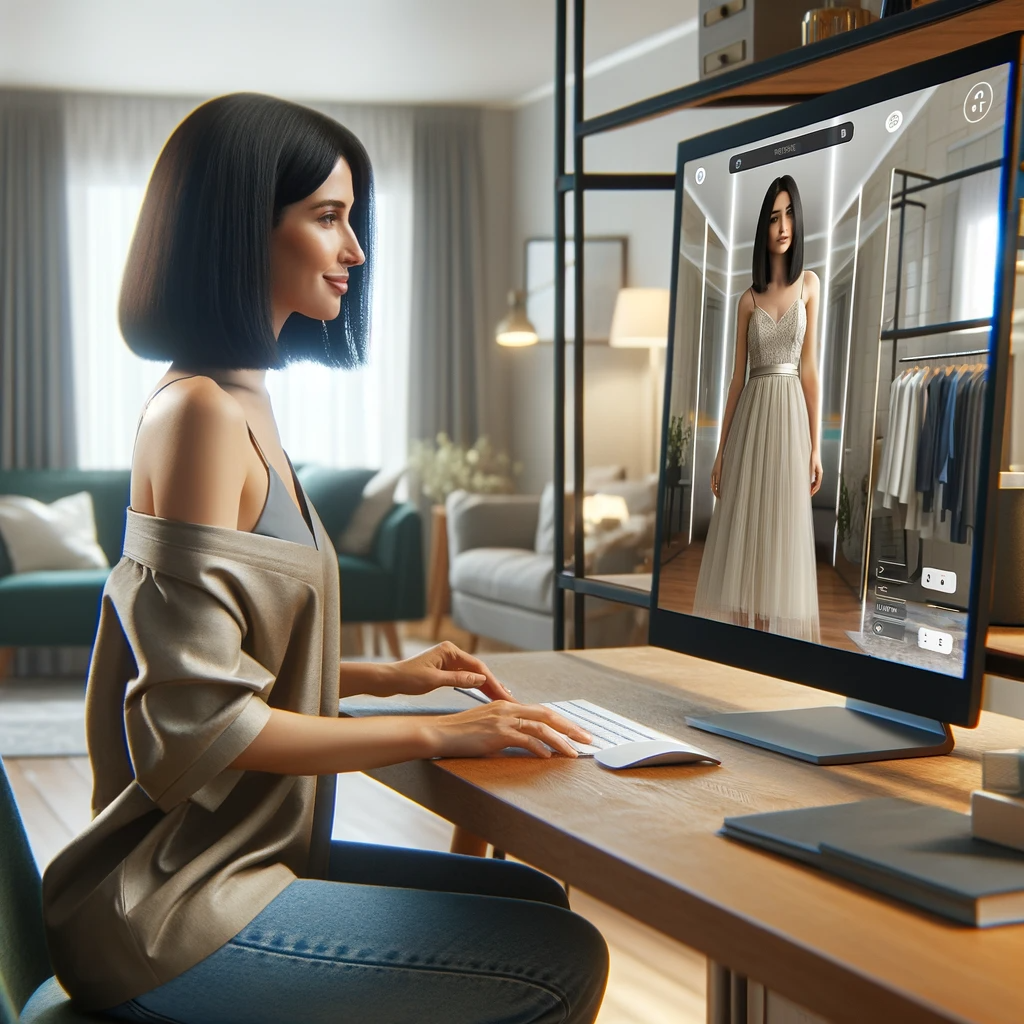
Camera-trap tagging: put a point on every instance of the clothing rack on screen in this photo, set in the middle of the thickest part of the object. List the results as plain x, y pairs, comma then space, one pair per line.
944, 355
930, 463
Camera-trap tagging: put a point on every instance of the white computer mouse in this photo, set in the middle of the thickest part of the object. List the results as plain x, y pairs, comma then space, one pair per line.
650, 752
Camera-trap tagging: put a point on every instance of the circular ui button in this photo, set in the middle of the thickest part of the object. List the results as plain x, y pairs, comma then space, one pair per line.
977, 102
699, 176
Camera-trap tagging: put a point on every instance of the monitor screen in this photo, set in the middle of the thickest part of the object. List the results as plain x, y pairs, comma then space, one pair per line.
829, 402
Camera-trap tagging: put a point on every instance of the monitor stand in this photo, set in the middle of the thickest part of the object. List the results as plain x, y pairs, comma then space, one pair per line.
833, 735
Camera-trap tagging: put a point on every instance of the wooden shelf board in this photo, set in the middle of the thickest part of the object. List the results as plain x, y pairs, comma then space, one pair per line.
935, 29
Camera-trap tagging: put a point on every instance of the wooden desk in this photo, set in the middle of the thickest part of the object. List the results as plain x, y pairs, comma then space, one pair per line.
644, 841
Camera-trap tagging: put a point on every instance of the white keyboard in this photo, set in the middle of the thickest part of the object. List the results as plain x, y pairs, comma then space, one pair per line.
606, 728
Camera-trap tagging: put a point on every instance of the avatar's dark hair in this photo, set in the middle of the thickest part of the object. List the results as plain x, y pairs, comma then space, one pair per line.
196, 286
762, 267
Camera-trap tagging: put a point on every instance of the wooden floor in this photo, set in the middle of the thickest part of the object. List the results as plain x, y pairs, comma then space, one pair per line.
653, 979
838, 608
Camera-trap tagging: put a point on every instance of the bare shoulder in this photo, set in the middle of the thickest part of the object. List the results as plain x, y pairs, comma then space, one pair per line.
192, 453
746, 303
812, 286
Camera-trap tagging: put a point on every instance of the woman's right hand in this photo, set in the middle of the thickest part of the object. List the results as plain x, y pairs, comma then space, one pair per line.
716, 476
501, 723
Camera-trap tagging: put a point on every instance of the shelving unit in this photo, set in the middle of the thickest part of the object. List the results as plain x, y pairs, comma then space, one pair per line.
937, 28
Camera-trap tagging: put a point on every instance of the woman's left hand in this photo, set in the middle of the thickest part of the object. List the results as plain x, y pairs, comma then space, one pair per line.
447, 665
816, 473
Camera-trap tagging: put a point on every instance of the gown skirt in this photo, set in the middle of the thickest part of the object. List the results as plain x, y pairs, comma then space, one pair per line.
758, 568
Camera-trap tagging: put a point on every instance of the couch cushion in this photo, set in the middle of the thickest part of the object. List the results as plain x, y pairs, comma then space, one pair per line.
59, 534
50, 1005
335, 493
51, 607
506, 575
110, 490
544, 539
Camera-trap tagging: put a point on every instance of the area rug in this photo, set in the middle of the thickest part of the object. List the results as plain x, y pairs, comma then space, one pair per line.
42, 717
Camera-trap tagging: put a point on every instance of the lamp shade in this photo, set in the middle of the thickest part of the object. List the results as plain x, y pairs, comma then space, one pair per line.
515, 330
640, 319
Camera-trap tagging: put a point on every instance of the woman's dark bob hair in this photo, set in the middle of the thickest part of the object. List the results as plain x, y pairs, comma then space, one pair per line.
762, 268
196, 287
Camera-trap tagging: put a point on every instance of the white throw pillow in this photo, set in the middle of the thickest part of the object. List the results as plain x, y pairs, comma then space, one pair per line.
61, 535
378, 497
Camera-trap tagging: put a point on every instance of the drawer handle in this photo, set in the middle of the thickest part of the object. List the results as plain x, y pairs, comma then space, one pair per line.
723, 11
724, 58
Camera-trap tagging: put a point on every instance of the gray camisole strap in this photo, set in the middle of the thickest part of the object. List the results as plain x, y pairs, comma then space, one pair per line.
280, 517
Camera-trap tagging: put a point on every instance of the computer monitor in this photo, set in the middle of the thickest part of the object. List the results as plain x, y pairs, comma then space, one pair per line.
841, 304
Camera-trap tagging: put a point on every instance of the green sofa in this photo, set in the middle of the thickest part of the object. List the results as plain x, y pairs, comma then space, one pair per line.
61, 607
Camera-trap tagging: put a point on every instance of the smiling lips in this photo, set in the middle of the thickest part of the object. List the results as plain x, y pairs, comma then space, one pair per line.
338, 282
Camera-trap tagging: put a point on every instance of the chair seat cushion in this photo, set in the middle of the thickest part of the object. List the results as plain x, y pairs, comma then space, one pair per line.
49, 1004
51, 606
505, 575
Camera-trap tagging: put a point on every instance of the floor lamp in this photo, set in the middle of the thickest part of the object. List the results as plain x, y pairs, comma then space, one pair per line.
640, 320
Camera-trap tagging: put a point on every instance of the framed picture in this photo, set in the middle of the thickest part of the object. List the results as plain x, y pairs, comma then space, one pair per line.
604, 274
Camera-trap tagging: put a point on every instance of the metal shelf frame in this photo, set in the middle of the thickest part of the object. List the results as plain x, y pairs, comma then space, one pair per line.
720, 90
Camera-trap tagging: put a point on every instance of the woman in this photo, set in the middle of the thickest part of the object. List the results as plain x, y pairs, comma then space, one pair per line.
758, 567
207, 890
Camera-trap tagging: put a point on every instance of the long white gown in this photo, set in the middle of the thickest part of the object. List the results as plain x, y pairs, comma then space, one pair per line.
758, 567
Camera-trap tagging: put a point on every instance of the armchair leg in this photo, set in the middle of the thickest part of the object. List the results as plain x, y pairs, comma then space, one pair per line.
376, 640
471, 644
467, 843
390, 631
6, 660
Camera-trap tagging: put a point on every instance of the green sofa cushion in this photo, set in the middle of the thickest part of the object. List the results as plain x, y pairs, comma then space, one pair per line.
55, 606
335, 493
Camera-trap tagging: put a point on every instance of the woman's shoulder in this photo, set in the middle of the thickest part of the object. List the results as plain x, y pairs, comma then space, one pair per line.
811, 282
191, 452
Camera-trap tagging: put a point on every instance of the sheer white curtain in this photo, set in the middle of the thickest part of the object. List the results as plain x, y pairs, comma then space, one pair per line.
112, 144
340, 418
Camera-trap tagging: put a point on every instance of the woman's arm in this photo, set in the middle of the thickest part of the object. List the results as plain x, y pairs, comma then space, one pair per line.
444, 664
739, 373
295, 744
809, 377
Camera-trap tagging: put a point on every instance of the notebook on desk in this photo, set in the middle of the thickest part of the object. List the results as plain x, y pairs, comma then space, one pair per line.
914, 852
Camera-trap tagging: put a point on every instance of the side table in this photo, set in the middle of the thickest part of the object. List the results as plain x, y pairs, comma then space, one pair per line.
439, 593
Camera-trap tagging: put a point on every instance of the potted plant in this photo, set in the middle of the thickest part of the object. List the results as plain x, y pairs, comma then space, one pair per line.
677, 449
443, 466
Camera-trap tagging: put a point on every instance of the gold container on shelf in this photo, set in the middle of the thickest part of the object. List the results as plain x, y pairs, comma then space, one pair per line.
822, 22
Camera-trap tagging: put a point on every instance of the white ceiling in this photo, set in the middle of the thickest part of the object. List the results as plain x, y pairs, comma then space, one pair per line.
489, 52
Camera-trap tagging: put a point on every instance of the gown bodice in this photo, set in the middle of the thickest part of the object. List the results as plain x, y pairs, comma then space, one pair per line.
769, 342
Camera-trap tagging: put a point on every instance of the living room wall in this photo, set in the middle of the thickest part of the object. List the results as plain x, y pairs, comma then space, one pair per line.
618, 388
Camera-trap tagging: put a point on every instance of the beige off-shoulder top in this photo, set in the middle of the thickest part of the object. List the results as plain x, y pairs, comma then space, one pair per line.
202, 631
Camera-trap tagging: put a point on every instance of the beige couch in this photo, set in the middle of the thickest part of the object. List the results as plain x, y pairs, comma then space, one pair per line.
501, 565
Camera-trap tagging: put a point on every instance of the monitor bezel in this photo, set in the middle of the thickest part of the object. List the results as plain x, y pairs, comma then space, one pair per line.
891, 684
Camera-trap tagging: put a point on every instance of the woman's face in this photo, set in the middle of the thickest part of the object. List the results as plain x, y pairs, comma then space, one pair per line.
780, 225
311, 250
